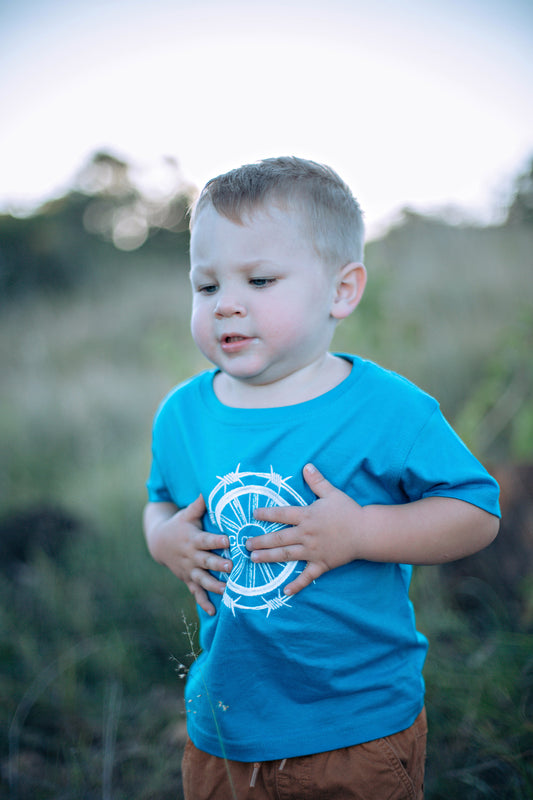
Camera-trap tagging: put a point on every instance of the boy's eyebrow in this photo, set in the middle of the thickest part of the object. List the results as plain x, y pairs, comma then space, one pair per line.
208, 269
204, 270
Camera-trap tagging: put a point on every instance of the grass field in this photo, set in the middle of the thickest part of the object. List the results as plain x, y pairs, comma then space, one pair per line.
92, 631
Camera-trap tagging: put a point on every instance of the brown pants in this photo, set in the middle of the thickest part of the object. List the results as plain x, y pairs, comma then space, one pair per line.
384, 769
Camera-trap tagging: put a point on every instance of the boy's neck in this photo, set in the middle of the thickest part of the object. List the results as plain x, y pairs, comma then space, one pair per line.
307, 383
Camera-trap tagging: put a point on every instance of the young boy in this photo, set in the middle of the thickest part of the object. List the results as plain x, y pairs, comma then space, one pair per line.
290, 490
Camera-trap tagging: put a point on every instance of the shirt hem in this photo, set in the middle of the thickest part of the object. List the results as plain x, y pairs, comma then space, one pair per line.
301, 743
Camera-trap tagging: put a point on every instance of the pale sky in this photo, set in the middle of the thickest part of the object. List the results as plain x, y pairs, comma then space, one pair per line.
416, 103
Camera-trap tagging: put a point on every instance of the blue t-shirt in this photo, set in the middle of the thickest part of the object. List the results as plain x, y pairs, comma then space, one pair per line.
340, 662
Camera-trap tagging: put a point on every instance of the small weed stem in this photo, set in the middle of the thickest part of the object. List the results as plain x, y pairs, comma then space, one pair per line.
190, 636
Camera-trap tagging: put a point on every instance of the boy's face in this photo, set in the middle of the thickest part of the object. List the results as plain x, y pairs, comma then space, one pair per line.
262, 297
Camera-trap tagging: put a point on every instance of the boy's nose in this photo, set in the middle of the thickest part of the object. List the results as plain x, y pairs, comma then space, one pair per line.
229, 307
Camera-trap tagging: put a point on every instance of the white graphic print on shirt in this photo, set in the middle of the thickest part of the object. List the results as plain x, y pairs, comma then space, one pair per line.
231, 505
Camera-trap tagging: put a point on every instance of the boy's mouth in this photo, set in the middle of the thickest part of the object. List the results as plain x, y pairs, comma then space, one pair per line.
232, 338
233, 342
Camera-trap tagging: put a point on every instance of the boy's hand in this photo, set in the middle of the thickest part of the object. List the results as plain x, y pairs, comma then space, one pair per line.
178, 541
319, 533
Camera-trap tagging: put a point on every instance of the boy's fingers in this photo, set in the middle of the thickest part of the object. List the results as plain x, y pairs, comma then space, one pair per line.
195, 510
316, 481
202, 582
285, 515
206, 582
274, 555
310, 574
215, 563
281, 539
210, 541
200, 595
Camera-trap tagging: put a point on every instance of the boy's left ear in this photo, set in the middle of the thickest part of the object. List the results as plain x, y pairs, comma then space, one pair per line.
349, 288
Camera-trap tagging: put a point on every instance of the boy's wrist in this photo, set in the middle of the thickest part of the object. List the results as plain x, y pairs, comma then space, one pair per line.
367, 533
154, 538
382, 532
155, 518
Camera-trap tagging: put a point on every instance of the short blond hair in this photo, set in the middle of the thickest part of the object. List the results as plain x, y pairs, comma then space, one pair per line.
331, 214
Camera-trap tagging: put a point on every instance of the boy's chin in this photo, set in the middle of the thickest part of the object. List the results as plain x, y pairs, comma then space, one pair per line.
235, 381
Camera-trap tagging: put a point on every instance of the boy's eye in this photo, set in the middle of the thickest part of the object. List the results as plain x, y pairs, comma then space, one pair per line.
261, 283
208, 289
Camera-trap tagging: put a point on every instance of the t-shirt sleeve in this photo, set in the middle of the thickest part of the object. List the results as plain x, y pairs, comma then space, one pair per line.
156, 485
171, 478
440, 465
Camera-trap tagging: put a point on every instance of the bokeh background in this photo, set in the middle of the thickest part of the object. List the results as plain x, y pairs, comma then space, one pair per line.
113, 114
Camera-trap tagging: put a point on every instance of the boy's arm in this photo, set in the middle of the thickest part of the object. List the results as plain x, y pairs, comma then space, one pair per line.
335, 530
175, 538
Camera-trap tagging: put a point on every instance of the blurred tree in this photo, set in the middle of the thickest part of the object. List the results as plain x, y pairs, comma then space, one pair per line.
46, 251
521, 208
111, 203
104, 174
129, 205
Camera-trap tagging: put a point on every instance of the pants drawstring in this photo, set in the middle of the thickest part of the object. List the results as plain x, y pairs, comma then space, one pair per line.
257, 767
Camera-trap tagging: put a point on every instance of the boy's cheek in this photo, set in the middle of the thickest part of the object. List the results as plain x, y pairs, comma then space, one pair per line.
199, 328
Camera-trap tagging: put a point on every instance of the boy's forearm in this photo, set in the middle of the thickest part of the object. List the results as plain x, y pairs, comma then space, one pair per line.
429, 531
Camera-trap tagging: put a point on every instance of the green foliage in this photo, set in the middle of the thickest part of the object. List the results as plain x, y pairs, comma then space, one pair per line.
479, 679
82, 640
497, 417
